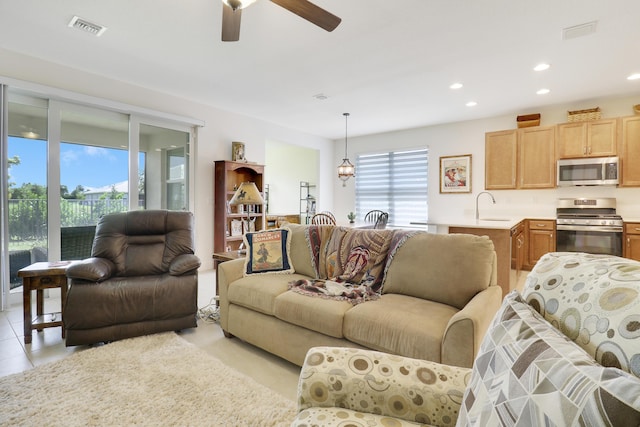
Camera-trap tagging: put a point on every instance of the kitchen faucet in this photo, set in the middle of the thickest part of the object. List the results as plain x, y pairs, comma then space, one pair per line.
478, 196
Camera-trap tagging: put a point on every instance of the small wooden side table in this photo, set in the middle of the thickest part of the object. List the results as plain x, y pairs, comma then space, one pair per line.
38, 277
219, 257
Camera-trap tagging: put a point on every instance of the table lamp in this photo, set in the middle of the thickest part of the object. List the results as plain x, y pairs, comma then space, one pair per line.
246, 194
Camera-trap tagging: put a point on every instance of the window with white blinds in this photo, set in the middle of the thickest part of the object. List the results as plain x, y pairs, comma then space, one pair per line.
394, 182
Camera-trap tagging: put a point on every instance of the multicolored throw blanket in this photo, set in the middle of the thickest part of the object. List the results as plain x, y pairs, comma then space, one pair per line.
350, 264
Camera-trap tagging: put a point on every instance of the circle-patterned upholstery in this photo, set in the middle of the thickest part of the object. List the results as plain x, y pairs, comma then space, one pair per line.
594, 300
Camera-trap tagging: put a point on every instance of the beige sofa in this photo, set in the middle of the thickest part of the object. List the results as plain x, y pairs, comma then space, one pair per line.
438, 295
565, 353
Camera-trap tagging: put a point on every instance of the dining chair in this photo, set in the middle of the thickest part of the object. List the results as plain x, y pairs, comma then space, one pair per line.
373, 216
333, 217
323, 218
381, 222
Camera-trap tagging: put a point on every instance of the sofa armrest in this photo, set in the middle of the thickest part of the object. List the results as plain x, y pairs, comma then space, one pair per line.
469, 326
380, 383
228, 272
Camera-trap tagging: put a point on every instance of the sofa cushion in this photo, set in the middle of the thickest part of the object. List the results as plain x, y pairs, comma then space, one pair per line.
268, 252
397, 324
594, 300
318, 314
301, 258
259, 292
446, 268
528, 373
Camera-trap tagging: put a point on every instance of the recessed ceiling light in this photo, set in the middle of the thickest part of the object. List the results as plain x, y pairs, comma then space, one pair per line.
635, 76
456, 86
471, 104
541, 67
543, 91
320, 96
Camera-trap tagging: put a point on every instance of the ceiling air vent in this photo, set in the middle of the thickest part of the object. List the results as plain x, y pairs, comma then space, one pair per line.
86, 26
579, 30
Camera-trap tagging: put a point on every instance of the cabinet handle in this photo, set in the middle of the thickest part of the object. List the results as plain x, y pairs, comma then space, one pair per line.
584, 150
637, 229
541, 225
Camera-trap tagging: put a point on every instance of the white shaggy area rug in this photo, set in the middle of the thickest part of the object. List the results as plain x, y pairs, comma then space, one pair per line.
155, 380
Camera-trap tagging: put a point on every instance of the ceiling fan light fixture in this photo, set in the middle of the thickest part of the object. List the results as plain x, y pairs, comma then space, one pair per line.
238, 4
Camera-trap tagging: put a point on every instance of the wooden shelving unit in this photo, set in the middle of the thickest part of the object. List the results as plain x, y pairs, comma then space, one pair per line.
307, 202
228, 176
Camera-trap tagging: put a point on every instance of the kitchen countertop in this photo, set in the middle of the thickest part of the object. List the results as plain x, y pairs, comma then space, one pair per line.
498, 223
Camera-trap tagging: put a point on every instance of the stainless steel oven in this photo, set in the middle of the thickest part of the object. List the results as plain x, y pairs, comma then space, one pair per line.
588, 225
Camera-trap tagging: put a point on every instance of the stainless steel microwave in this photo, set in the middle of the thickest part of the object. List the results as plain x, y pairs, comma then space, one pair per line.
588, 171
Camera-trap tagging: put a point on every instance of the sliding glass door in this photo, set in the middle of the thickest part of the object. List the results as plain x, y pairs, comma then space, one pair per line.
70, 164
26, 186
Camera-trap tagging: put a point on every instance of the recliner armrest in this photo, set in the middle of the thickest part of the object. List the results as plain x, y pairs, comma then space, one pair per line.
183, 264
91, 269
380, 383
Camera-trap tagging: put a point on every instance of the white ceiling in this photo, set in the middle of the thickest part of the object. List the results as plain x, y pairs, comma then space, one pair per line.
389, 63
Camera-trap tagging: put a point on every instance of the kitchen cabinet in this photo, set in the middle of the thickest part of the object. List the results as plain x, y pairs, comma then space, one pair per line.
541, 238
629, 130
500, 149
632, 240
228, 177
536, 157
587, 139
520, 158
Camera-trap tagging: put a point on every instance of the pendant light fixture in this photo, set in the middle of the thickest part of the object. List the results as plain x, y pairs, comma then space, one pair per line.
346, 169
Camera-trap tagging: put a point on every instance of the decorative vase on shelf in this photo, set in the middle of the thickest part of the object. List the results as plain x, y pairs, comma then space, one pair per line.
351, 217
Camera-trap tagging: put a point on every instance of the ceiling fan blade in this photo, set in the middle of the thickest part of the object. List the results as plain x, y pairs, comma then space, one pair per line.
230, 23
312, 13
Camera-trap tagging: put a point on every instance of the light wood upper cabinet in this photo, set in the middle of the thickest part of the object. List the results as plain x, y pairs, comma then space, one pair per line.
536, 158
520, 158
630, 151
500, 149
587, 139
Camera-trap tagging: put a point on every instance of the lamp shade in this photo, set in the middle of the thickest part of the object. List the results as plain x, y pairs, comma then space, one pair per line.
247, 194
346, 170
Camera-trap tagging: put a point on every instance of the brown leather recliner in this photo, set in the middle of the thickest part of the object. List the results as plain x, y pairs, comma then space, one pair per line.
142, 278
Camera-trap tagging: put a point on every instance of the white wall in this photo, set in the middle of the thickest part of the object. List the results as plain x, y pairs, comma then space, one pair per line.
468, 138
214, 139
287, 165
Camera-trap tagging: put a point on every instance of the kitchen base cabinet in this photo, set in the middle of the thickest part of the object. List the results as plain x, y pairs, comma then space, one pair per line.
632, 240
541, 238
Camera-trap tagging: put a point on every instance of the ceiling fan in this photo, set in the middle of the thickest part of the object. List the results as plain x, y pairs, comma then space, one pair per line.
232, 11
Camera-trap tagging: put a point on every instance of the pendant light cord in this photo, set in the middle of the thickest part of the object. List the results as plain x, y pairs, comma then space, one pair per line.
346, 119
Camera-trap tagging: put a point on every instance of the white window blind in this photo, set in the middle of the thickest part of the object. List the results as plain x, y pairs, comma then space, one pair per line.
394, 182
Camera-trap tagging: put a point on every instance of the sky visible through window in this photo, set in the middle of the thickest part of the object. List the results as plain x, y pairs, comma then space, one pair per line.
84, 165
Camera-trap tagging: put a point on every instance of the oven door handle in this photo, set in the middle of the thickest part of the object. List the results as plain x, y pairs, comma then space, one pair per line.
591, 228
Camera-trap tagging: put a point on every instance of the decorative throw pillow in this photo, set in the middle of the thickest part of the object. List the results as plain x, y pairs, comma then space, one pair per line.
528, 374
592, 299
268, 252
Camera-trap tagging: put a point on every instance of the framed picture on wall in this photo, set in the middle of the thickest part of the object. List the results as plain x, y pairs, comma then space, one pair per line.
455, 174
237, 152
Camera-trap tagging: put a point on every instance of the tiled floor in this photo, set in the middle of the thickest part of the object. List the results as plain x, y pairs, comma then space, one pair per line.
48, 345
